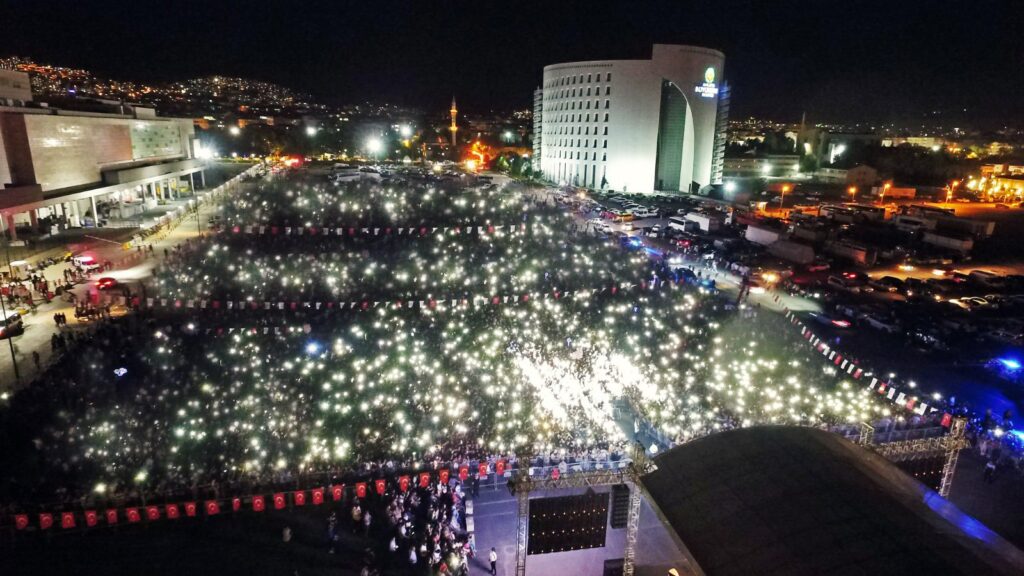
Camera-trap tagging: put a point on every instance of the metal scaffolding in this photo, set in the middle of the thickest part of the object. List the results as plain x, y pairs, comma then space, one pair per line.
522, 484
904, 450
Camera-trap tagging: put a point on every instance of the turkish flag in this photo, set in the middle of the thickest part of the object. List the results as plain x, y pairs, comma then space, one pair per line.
338, 492
499, 467
279, 501
45, 521
424, 479
152, 513
133, 515
190, 509
423, 231
495, 300
318, 496
443, 476
555, 473
403, 483
21, 521
91, 518
258, 504
360, 489
482, 470
67, 520
212, 508
381, 486
299, 498
490, 229
236, 504
947, 420
463, 473
172, 512
111, 516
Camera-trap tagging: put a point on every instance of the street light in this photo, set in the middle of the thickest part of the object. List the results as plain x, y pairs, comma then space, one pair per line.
235, 130
405, 130
310, 130
885, 188
782, 199
374, 145
853, 193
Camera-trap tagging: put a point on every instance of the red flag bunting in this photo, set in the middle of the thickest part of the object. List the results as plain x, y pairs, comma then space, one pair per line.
361, 490
91, 518
190, 509
463, 473
236, 504
424, 479
380, 485
555, 473
45, 521
258, 504
133, 515
21, 521
403, 483
172, 511
299, 498
279, 501
152, 513
499, 467
443, 476
337, 492
212, 508
67, 520
947, 420
482, 469
318, 496
111, 516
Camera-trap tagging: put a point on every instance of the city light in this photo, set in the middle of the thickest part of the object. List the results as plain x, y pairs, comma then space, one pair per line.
311, 130
374, 145
235, 130
405, 131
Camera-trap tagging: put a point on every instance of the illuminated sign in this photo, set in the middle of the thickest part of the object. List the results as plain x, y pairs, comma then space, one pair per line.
708, 89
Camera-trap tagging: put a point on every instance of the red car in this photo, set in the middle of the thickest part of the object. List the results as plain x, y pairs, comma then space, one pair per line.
105, 283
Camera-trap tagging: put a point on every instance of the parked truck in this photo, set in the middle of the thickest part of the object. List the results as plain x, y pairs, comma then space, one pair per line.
792, 251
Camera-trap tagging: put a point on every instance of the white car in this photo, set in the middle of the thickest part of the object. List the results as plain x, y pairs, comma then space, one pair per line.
882, 324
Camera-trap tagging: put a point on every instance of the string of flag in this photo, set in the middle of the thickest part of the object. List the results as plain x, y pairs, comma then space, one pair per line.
252, 303
884, 388
408, 231
315, 496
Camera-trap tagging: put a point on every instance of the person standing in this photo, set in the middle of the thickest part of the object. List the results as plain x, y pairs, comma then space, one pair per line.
493, 557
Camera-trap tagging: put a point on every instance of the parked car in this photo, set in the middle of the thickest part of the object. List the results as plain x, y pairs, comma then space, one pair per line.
12, 325
886, 284
880, 323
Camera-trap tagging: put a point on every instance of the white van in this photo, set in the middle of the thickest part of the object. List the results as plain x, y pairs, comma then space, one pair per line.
678, 223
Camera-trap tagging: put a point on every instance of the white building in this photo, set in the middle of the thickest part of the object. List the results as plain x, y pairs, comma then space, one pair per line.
62, 163
634, 125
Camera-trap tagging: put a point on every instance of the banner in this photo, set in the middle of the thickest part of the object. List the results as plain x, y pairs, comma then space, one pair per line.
318, 496
257, 504
360, 490
381, 485
279, 501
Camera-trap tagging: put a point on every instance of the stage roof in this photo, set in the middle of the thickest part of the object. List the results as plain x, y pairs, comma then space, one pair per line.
800, 501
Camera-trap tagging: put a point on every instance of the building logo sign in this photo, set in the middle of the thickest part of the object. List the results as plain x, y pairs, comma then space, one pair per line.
708, 89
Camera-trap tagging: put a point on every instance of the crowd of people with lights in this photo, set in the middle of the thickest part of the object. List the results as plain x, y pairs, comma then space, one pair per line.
429, 345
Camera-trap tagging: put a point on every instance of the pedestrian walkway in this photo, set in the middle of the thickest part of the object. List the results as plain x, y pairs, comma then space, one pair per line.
129, 267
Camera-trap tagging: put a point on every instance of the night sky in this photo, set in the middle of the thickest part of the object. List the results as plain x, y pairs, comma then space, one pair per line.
837, 60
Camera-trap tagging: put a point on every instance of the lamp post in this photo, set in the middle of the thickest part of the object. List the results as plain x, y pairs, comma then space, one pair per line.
782, 199
3, 310
885, 188
853, 193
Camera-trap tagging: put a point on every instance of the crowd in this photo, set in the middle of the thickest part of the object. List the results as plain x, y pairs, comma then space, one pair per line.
215, 401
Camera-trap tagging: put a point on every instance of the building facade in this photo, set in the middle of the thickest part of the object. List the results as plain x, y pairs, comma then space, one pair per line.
634, 125
61, 164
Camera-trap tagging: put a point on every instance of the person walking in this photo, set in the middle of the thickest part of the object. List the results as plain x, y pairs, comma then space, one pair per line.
493, 557
990, 471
